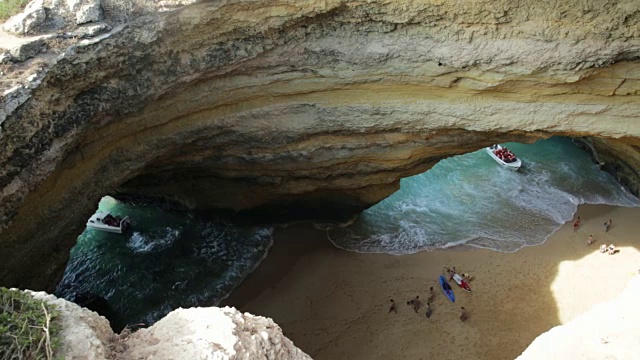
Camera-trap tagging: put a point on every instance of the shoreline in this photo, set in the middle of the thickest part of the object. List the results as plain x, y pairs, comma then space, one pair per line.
333, 303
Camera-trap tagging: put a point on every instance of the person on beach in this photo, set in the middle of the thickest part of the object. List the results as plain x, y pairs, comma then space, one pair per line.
576, 224
393, 307
612, 249
432, 295
603, 248
590, 240
450, 273
415, 302
464, 315
446, 269
607, 225
429, 310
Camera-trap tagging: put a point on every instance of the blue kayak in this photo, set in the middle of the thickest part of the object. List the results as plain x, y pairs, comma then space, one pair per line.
444, 284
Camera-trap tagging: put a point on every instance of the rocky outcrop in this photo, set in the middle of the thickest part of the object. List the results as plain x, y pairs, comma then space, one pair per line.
608, 331
49, 15
85, 10
196, 333
212, 333
29, 20
618, 159
84, 334
303, 108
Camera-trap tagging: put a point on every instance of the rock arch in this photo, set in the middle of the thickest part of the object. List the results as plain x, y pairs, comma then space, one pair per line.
314, 106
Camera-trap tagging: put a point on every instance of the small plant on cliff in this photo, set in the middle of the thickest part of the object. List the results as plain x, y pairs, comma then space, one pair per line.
8, 8
28, 329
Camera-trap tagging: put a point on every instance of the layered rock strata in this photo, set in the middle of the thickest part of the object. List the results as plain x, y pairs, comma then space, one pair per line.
319, 107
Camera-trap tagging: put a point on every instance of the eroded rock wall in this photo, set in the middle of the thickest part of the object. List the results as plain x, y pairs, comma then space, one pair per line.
304, 105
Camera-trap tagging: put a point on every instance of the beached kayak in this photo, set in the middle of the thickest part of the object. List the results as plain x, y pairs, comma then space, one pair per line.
460, 281
448, 291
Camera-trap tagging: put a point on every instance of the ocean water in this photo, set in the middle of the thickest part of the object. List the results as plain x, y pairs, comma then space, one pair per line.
177, 259
471, 200
170, 259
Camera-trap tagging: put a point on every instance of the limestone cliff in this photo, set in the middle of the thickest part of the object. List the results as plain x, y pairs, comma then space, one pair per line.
196, 333
608, 331
315, 107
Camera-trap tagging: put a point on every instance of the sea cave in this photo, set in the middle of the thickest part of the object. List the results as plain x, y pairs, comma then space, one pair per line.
281, 112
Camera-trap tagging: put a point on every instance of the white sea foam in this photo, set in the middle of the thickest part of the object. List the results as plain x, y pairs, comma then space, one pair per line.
170, 260
157, 241
471, 200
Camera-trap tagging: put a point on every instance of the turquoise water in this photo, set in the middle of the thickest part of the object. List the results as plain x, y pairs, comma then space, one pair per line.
471, 200
180, 259
171, 259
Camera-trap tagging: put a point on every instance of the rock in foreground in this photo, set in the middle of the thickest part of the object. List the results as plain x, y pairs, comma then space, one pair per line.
196, 333
212, 333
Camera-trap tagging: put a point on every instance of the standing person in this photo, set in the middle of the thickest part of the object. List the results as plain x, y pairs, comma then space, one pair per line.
464, 315
576, 224
590, 240
607, 225
415, 302
429, 311
393, 307
446, 268
432, 295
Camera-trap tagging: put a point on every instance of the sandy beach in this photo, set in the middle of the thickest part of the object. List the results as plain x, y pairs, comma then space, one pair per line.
334, 304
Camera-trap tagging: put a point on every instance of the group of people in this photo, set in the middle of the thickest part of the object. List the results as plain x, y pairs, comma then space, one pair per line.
111, 220
452, 271
610, 249
607, 224
505, 154
416, 303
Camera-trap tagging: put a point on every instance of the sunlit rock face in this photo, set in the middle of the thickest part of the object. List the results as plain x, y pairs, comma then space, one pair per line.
212, 333
315, 108
607, 331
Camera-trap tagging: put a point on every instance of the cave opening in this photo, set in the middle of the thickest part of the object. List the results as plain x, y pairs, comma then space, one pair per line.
176, 257
472, 201
170, 257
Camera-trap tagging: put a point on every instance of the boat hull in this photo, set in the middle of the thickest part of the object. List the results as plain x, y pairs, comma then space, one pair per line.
96, 223
513, 165
111, 229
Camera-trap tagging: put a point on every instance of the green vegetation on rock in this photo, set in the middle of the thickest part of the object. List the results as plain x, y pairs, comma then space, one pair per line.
27, 327
8, 8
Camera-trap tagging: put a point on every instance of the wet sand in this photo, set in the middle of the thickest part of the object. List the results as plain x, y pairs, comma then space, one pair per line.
334, 304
